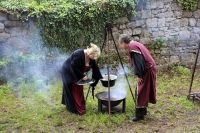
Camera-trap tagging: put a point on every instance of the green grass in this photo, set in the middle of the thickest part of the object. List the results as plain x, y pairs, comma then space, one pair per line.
28, 109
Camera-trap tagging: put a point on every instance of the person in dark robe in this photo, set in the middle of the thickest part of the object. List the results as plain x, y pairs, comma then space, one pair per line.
145, 71
73, 69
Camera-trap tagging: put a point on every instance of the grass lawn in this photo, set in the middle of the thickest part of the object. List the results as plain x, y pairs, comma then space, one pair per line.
39, 110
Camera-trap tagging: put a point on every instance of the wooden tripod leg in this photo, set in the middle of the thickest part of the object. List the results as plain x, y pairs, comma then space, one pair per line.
194, 68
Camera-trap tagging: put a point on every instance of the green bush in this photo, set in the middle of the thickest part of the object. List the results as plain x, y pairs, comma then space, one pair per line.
181, 70
188, 4
69, 24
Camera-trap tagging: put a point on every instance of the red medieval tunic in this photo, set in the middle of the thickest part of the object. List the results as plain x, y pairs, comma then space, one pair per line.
145, 68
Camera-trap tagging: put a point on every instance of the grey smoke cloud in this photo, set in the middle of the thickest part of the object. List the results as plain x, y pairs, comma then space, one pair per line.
35, 63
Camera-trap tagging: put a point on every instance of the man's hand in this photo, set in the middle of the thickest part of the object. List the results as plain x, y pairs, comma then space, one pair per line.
85, 78
139, 80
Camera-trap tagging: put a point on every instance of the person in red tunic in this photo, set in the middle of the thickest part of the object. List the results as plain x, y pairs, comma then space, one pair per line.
80, 61
145, 70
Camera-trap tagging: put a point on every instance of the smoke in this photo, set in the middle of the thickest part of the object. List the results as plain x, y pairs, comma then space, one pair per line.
121, 83
34, 64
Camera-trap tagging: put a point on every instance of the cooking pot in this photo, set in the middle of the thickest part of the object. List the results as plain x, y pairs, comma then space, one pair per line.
104, 81
115, 97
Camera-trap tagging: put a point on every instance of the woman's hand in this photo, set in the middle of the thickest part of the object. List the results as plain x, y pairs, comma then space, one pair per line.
85, 78
139, 80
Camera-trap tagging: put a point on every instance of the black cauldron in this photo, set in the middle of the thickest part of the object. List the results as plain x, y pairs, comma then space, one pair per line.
115, 97
104, 81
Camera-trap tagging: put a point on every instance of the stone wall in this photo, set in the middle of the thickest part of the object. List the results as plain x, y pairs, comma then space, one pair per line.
164, 19
14, 34
156, 20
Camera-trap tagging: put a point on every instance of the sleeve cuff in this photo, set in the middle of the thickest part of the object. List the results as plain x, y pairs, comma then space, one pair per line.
139, 76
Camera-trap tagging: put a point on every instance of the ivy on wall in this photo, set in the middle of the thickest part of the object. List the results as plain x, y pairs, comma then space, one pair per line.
68, 24
188, 4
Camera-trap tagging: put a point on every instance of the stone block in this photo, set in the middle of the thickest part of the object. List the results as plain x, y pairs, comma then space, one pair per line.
194, 36
19, 42
166, 58
161, 22
131, 25
169, 19
145, 33
153, 5
155, 12
1, 27
196, 30
121, 20
114, 29
123, 26
182, 44
192, 22
184, 35
178, 14
186, 56
168, 1
4, 36
164, 67
3, 16
163, 28
137, 31
158, 34
17, 31
165, 14
157, 51
116, 35
184, 22
6, 50
175, 6
136, 38
196, 14
173, 34
175, 23
198, 22
178, 49
187, 14
154, 29
145, 40
147, 6
139, 14
159, 5
174, 59
152, 22
12, 17
129, 32
140, 22
165, 51
9, 23
146, 14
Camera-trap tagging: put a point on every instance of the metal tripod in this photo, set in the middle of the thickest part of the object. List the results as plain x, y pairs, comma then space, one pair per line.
107, 32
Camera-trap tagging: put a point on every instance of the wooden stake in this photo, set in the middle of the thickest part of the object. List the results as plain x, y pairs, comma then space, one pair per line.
194, 68
108, 72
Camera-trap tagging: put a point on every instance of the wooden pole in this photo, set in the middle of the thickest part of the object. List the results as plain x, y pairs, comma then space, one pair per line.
194, 68
108, 71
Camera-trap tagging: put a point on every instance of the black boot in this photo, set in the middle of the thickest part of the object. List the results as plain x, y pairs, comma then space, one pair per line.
136, 118
139, 115
145, 111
